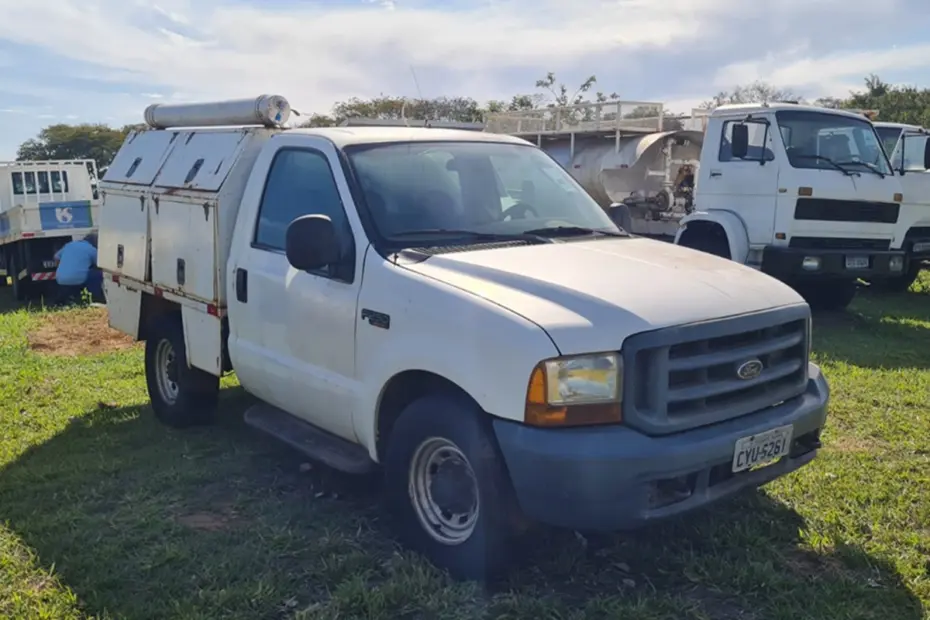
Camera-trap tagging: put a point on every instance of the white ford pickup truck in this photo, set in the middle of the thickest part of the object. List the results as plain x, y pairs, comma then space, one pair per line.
452, 308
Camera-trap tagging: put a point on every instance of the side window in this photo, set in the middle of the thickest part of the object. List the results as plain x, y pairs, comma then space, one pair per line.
30, 178
56, 181
757, 138
43, 182
18, 188
300, 182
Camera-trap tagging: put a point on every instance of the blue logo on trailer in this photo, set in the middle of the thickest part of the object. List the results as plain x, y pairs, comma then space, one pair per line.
64, 215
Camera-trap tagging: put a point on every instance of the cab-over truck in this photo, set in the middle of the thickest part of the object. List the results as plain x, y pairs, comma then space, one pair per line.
392, 307
43, 205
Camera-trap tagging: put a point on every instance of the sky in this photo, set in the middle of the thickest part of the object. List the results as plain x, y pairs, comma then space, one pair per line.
71, 61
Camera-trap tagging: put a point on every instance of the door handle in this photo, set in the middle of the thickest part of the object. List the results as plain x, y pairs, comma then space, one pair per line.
242, 285
715, 173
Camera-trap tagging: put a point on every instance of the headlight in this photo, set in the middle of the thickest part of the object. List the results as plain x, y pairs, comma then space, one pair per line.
572, 391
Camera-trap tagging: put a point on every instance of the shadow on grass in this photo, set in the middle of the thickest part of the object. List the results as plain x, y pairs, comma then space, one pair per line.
145, 522
889, 331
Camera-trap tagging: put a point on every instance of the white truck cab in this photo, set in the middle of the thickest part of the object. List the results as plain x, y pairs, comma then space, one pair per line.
908, 149
803, 193
500, 356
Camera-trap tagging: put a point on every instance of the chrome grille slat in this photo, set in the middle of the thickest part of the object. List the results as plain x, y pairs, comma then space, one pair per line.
683, 377
732, 355
717, 388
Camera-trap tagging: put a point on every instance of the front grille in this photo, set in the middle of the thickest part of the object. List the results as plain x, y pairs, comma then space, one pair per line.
683, 377
838, 243
830, 210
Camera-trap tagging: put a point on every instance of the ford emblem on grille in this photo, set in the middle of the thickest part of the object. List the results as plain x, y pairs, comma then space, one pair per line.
750, 369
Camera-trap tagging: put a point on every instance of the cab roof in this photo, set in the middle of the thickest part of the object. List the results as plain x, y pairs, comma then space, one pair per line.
347, 136
747, 108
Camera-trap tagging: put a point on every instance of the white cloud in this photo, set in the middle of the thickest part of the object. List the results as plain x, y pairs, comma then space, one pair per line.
682, 50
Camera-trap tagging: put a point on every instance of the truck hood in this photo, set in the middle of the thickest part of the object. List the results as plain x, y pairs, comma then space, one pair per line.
590, 295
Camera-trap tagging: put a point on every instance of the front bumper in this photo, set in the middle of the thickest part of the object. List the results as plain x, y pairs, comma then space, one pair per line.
611, 478
787, 263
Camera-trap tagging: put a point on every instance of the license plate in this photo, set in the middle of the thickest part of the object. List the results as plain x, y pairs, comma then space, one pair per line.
48, 263
857, 262
762, 449
921, 247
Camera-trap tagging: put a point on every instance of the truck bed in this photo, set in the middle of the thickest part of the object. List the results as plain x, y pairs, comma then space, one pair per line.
169, 206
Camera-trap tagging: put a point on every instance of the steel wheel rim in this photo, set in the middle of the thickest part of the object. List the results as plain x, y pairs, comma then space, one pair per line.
166, 375
441, 524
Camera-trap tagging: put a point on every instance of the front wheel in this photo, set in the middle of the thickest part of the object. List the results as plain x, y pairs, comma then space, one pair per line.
828, 295
181, 395
899, 284
446, 487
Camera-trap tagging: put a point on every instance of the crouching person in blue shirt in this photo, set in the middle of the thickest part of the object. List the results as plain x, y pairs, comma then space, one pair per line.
77, 270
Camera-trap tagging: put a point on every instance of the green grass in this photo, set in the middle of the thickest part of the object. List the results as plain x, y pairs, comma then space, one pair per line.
104, 513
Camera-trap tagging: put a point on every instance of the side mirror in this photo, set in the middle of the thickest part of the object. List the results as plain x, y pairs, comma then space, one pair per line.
739, 144
310, 243
927, 153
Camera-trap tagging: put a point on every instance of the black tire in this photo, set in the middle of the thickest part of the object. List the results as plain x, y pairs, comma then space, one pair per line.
708, 240
21, 288
192, 401
900, 284
828, 295
486, 551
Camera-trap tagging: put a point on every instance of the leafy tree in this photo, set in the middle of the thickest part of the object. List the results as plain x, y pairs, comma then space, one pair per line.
85, 141
899, 104
385, 107
756, 92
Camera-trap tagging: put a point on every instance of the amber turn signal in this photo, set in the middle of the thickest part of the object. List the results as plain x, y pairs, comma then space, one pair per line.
539, 412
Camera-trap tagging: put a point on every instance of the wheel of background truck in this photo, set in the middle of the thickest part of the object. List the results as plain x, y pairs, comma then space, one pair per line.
711, 240
621, 216
828, 295
20, 287
181, 396
899, 284
446, 488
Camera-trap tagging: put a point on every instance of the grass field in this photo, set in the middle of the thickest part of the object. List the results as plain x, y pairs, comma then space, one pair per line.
104, 513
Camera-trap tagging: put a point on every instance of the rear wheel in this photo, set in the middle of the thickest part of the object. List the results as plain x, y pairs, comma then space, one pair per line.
446, 487
181, 395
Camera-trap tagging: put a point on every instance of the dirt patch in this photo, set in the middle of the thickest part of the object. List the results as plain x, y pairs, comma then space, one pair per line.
857, 445
76, 333
209, 521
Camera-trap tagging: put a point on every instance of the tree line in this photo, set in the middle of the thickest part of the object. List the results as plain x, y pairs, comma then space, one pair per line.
898, 103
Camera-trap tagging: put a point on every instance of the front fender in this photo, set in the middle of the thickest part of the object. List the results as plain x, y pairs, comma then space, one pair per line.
486, 350
732, 225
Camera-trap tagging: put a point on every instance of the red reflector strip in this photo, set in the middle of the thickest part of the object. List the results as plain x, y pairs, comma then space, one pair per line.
212, 310
28, 235
159, 292
115, 278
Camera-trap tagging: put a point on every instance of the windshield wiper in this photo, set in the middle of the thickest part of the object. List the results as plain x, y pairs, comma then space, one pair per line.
572, 231
475, 235
870, 167
826, 159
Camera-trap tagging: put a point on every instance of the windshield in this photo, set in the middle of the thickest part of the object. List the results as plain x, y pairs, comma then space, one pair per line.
487, 187
889, 137
821, 140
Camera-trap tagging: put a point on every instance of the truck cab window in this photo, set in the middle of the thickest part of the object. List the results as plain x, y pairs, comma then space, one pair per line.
30, 182
300, 182
482, 187
18, 187
820, 140
43, 182
757, 149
